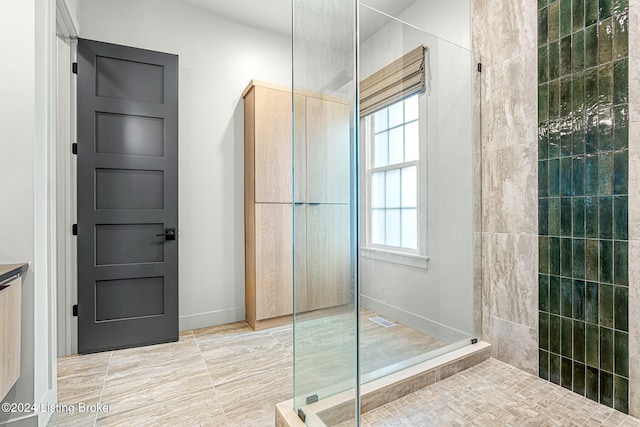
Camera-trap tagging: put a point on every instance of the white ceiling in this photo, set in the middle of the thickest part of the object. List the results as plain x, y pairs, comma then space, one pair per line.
275, 15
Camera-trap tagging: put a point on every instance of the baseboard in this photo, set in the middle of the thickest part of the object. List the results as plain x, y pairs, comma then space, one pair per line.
211, 318
412, 320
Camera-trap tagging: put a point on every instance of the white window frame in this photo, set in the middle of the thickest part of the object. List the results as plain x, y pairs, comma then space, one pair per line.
411, 257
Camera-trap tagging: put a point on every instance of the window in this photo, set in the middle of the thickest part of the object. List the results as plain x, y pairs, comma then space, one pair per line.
393, 146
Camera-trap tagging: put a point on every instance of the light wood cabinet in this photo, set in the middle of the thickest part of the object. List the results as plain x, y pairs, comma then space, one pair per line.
320, 158
10, 320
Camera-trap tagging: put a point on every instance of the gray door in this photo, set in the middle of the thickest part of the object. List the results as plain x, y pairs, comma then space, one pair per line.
127, 197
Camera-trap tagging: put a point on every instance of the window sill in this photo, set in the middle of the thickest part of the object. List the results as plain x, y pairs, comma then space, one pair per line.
411, 260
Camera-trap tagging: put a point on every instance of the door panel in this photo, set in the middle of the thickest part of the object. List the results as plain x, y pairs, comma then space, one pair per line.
127, 196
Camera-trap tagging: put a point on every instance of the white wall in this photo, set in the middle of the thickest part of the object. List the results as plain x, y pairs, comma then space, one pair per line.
440, 299
218, 58
26, 34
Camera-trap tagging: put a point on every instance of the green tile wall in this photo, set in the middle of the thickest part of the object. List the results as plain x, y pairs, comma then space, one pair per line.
583, 205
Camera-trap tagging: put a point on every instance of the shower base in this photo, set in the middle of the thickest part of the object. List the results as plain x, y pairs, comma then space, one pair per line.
339, 408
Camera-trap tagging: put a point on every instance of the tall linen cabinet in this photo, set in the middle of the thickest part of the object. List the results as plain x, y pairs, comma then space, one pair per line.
321, 203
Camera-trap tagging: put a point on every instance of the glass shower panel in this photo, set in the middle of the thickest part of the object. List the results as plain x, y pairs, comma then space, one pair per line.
419, 266
325, 219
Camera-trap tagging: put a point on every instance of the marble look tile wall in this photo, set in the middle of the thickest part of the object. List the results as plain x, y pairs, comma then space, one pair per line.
634, 207
583, 111
504, 34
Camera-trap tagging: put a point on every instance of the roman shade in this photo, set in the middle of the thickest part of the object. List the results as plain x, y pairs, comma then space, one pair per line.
403, 77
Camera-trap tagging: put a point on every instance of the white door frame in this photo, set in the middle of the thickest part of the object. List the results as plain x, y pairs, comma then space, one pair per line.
65, 176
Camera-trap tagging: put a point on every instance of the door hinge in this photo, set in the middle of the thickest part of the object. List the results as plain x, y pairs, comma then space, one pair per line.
302, 415
75, 310
312, 399
74, 148
74, 68
479, 67
74, 229
474, 340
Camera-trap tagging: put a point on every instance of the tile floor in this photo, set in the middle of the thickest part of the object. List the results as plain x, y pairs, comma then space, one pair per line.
230, 375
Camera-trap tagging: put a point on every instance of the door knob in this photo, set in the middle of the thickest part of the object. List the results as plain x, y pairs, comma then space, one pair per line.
169, 234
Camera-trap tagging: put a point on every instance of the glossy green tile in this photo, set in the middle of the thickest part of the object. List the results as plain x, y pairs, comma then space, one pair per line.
591, 132
543, 26
578, 134
566, 297
621, 172
553, 167
543, 178
554, 136
554, 97
554, 216
554, 259
605, 84
592, 344
543, 217
565, 56
565, 17
606, 261
621, 394
543, 64
543, 141
591, 216
554, 295
605, 128
606, 387
605, 307
543, 104
591, 175
555, 323
621, 353
619, 6
621, 218
592, 260
591, 46
543, 292
566, 373
605, 40
621, 127
554, 369
566, 133
606, 217
579, 248
620, 36
554, 21
579, 296
579, 337
543, 263
566, 176
577, 54
578, 93
543, 365
543, 320
566, 228
605, 174
578, 178
621, 82
566, 261
592, 382
578, 219
579, 378
621, 308
621, 263
606, 349
604, 9
591, 303
577, 15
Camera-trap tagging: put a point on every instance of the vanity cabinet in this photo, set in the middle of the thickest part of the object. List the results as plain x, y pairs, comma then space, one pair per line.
10, 321
321, 203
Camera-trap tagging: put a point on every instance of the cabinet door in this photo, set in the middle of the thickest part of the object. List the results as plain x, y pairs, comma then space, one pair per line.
300, 149
328, 146
273, 156
328, 256
300, 259
274, 263
10, 309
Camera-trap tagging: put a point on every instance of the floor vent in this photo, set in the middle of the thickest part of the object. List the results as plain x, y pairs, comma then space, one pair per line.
382, 322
